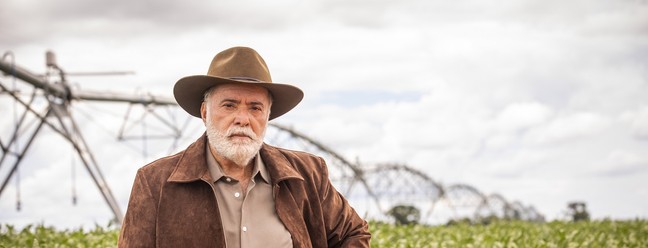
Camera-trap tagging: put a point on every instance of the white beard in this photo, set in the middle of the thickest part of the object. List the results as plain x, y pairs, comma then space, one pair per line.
239, 152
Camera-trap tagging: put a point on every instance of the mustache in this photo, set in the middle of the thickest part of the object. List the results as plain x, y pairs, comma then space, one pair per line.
241, 131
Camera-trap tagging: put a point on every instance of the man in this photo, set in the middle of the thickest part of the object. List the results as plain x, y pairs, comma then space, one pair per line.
229, 189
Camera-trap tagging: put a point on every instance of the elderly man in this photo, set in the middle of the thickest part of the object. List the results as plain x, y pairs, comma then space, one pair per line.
229, 189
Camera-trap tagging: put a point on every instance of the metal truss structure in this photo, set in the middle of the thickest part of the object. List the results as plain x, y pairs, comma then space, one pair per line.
47, 100
47, 103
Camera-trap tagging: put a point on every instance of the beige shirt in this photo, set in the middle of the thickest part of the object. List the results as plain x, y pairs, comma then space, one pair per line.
249, 220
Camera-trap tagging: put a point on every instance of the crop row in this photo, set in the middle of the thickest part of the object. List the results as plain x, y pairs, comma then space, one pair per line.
606, 233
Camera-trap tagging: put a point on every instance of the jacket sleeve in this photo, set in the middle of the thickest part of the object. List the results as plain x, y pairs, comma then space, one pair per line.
344, 226
138, 228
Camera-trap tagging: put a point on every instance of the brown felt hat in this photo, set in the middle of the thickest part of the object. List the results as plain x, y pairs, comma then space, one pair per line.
236, 65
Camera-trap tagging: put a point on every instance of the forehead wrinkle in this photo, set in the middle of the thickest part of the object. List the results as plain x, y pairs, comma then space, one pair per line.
230, 100
256, 102
250, 102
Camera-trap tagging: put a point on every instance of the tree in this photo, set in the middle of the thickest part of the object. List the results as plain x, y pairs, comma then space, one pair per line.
578, 211
405, 214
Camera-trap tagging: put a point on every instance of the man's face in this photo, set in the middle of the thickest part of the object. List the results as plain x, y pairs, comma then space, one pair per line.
236, 117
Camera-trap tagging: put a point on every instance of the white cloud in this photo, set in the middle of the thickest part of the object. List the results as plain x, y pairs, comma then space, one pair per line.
522, 115
638, 122
621, 162
568, 128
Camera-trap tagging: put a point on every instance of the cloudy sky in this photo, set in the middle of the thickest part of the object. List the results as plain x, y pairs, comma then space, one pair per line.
544, 102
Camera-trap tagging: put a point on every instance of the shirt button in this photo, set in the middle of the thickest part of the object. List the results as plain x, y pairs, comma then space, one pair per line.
237, 194
244, 229
228, 179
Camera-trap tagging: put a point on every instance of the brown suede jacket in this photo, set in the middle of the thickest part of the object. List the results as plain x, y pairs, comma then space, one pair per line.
172, 203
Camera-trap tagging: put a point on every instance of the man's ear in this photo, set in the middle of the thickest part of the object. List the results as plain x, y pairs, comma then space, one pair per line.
203, 112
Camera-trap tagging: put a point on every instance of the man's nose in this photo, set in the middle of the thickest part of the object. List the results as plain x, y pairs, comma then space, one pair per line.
242, 118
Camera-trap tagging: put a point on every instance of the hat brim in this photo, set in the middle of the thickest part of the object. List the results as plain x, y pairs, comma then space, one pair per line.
189, 92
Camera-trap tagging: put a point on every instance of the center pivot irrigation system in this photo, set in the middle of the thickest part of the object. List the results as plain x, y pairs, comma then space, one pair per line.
46, 100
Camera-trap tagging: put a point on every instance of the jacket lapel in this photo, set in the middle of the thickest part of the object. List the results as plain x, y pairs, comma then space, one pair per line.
277, 165
283, 175
192, 166
187, 206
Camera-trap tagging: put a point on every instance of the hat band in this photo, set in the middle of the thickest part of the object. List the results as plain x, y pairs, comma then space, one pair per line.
245, 79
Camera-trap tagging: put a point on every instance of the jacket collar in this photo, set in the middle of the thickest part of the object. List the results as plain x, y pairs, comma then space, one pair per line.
192, 165
278, 165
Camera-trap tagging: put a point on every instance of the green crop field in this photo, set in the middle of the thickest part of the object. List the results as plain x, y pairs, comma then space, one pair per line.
516, 234
632, 233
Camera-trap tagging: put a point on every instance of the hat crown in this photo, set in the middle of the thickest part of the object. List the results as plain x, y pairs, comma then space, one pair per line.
240, 63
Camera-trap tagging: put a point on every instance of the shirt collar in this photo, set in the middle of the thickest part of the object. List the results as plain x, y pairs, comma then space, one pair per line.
217, 172
191, 164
